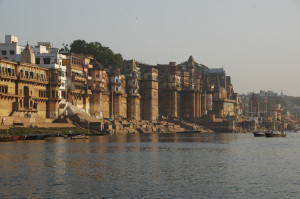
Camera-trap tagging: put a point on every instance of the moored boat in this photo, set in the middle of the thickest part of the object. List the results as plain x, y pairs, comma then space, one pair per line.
275, 134
37, 137
7, 138
259, 133
81, 136
22, 137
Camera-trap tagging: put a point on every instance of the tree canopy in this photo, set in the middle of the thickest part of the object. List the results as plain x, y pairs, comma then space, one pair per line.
102, 54
200, 67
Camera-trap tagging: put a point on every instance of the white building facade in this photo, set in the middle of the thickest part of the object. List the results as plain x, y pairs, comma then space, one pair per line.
45, 56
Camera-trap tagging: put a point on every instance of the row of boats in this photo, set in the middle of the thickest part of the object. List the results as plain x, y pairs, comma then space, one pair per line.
269, 133
7, 138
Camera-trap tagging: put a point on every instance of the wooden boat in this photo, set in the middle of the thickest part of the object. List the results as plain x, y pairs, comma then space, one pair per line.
82, 136
37, 137
193, 131
7, 138
259, 134
22, 137
275, 134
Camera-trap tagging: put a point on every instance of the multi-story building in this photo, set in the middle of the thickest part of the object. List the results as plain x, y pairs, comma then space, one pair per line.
133, 77
149, 93
49, 57
45, 56
78, 93
100, 98
28, 90
10, 49
118, 94
224, 100
180, 90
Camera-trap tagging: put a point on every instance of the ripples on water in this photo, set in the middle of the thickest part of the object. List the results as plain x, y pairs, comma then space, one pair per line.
152, 166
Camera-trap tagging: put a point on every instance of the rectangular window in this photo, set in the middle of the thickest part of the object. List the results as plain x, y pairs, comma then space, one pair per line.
11, 52
3, 52
37, 60
46, 60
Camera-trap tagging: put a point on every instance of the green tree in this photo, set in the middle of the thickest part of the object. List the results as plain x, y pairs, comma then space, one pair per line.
102, 54
200, 67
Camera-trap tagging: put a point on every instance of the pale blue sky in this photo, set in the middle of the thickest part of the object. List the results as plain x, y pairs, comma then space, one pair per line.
257, 41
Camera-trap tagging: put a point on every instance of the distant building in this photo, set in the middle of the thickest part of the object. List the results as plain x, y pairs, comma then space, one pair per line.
254, 105
224, 100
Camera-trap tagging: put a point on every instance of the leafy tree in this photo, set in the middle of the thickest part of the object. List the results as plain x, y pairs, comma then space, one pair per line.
200, 67
102, 54
65, 47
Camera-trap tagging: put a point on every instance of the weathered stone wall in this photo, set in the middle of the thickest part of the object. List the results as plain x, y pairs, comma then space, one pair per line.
149, 100
133, 107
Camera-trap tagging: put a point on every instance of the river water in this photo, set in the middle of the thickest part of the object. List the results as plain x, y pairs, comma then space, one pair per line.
222, 165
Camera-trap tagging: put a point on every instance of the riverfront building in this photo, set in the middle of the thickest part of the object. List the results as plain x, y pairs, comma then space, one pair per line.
100, 98
44, 55
28, 90
218, 85
35, 79
180, 90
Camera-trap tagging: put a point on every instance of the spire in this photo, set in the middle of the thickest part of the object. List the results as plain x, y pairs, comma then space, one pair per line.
28, 55
191, 62
191, 59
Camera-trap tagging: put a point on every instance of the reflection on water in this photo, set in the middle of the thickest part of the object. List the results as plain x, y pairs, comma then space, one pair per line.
152, 166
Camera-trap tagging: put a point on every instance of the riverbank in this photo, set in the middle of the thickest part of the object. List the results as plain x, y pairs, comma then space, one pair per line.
121, 126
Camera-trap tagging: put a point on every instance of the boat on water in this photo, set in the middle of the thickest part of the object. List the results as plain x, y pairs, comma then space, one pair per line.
259, 134
22, 137
81, 136
37, 137
275, 134
7, 138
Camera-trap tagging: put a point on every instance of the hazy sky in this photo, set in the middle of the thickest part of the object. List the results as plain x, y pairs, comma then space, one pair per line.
256, 41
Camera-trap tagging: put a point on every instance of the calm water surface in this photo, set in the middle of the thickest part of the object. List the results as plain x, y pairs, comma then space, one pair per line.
223, 165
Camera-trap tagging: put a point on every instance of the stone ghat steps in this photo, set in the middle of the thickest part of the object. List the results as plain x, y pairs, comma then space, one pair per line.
83, 116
